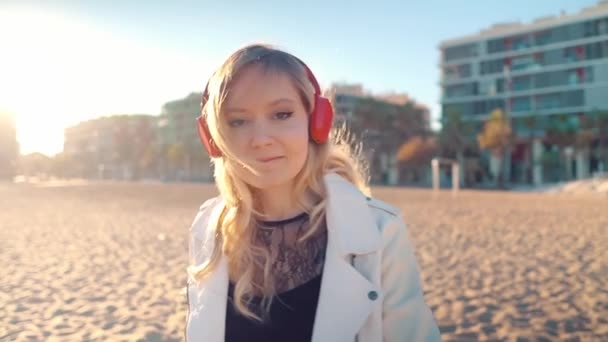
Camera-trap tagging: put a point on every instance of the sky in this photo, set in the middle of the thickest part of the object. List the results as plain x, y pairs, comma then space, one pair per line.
62, 62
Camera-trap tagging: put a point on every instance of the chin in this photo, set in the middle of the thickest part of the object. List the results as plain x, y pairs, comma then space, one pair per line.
270, 178
268, 181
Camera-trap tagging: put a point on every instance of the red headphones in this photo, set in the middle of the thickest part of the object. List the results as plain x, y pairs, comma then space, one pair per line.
321, 119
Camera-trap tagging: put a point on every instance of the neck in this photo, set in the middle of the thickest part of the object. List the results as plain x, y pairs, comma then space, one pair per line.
277, 203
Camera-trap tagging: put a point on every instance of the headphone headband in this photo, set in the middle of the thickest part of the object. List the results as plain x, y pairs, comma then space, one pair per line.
309, 74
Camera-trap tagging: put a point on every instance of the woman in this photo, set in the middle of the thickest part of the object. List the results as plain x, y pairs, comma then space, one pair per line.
293, 249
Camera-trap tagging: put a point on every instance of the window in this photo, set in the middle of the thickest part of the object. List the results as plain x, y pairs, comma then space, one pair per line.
548, 101
487, 106
491, 67
574, 98
522, 103
500, 85
596, 50
550, 79
542, 37
521, 83
460, 52
458, 108
564, 99
458, 71
466, 89
495, 45
487, 87
521, 42
568, 32
522, 62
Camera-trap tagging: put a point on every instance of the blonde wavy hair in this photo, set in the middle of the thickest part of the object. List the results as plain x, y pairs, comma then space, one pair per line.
235, 233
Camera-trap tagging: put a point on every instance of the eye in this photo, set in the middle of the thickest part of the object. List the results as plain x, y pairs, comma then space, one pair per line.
283, 115
236, 122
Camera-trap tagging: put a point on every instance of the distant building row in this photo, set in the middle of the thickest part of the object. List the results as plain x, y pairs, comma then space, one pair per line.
168, 147
550, 75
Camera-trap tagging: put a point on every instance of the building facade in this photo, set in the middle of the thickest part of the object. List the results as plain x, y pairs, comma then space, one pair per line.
183, 155
112, 147
548, 76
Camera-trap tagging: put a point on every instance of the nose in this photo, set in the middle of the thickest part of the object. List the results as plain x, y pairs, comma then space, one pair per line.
261, 135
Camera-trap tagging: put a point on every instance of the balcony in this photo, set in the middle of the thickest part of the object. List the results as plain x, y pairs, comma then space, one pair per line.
531, 50
527, 92
534, 71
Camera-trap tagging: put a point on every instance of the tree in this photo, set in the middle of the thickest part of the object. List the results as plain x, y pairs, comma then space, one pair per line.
561, 131
176, 155
61, 165
454, 138
415, 156
383, 126
416, 150
35, 164
148, 160
496, 137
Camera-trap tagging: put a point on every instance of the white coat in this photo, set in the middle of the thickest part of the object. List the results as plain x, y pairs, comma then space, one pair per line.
370, 289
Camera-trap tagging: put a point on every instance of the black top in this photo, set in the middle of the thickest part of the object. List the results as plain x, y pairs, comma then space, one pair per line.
292, 316
297, 273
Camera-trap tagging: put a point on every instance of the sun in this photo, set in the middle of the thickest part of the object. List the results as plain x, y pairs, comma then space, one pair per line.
34, 76
57, 70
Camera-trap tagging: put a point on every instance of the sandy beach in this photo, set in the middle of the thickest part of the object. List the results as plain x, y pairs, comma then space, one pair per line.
106, 261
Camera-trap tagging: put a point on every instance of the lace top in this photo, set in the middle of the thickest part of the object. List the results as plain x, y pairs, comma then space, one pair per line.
297, 271
294, 263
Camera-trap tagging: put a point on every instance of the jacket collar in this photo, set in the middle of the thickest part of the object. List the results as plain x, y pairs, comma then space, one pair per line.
349, 217
347, 214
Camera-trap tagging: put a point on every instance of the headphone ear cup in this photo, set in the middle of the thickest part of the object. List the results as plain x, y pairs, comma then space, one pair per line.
321, 120
206, 140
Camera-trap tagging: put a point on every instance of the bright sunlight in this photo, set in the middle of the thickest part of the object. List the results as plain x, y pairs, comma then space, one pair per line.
57, 72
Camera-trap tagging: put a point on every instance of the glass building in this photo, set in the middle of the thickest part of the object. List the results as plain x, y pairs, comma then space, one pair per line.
550, 77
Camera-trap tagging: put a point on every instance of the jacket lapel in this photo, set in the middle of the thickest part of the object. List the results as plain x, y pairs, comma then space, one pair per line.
346, 298
209, 297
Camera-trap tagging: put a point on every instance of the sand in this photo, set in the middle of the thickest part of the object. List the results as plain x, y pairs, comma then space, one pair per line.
106, 262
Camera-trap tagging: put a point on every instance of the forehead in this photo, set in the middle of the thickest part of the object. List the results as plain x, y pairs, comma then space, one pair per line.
255, 86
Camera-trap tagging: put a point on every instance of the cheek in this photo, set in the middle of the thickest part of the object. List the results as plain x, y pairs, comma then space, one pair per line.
237, 143
298, 140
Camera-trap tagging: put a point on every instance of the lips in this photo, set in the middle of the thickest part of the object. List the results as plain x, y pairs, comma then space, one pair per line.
265, 160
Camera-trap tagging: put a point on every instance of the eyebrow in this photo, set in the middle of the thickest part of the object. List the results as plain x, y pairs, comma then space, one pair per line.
273, 103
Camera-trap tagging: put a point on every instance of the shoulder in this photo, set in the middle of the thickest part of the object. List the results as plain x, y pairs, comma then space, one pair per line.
389, 221
382, 207
209, 203
199, 225
342, 189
